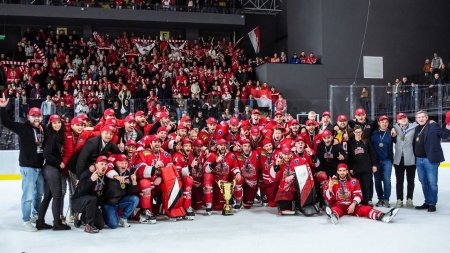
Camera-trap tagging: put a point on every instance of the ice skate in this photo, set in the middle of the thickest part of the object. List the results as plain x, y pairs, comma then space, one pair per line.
146, 217
332, 215
190, 215
387, 217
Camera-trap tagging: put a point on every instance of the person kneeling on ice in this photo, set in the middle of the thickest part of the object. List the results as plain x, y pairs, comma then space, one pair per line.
120, 192
89, 188
344, 196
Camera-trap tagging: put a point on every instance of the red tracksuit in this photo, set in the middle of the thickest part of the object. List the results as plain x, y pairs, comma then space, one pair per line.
270, 178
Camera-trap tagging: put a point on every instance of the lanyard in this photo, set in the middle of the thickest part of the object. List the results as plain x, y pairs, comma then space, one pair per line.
382, 137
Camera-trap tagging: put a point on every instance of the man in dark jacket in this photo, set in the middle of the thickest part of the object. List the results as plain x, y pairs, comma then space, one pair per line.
429, 154
31, 137
95, 147
120, 192
128, 132
90, 187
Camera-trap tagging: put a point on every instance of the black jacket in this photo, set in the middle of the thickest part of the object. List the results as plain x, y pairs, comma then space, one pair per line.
52, 150
113, 192
28, 155
329, 164
361, 156
87, 187
91, 150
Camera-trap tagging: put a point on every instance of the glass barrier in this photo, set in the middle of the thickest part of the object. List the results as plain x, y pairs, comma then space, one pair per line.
389, 100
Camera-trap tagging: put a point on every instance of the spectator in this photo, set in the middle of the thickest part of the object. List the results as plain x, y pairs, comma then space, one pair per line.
62, 110
283, 57
81, 108
30, 160
364, 99
429, 154
295, 59
48, 108
436, 63
426, 70
94, 114
54, 140
275, 58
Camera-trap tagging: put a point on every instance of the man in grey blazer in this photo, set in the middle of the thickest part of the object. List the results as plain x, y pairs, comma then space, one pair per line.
404, 159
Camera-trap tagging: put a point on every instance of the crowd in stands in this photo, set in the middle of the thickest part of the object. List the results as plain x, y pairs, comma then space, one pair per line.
211, 6
301, 58
70, 75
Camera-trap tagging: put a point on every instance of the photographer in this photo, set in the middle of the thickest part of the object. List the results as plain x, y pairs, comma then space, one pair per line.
89, 189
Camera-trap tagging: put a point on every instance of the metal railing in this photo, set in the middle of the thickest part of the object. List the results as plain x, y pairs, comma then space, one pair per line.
384, 100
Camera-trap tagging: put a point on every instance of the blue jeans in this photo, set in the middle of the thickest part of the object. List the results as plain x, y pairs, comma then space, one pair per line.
32, 191
428, 177
127, 204
383, 179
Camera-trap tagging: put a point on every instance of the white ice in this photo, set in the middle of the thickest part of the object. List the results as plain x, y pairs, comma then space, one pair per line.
256, 230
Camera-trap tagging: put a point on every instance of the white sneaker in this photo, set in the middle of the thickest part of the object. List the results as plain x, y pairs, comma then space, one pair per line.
28, 226
399, 203
123, 223
33, 220
409, 203
332, 215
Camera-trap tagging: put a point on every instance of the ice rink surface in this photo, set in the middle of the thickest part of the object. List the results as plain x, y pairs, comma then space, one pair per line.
256, 230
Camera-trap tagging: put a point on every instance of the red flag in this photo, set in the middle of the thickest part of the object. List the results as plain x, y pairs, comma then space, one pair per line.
255, 39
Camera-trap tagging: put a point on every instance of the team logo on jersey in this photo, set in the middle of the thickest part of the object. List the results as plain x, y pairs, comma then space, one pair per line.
296, 161
221, 169
166, 154
220, 132
248, 171
342, 193
240, 158
353, 182
146, 152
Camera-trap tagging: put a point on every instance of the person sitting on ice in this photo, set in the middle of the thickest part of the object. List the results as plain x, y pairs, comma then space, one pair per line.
343, 193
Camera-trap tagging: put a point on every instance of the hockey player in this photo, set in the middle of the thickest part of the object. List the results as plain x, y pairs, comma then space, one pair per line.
248, 161
343, 193
304, 152
269, 181
227, 169
184, 162
202, 178
149, 176
311, 135
207, 134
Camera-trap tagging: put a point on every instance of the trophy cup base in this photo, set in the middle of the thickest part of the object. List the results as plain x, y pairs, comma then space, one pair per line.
227, 213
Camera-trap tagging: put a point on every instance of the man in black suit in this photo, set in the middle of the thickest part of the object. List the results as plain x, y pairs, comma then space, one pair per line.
95, 147
429, 154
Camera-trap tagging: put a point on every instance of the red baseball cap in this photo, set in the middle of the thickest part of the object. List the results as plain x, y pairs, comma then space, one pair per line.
342, 165
234, 121
383, 117
34, 111
197, 143
108, 128
161, 129
54, 117
300, 138
211, 120
83, 116
130, 143
76, 121
311, 122
101, 158
186, 141
139, 113
294, 122
221, 142
129, 118
109, 112
244, 141
401, 115
360, 111
326, 113
111, 121
326, 133
286, 150
163, 115
278, 113
255, 111
342, 118
154, 138
121, 158
254, 130
266, 141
